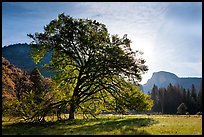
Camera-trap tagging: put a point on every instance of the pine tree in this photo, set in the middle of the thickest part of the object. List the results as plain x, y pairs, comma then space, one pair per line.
199, 99
183, 91
193, 99
37, 79
155, 98
162, 98
193, 92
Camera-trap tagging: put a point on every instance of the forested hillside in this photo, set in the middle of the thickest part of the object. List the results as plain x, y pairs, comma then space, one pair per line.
20, 56
13, 80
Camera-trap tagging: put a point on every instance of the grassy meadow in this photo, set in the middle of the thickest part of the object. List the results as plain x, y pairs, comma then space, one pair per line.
109, 125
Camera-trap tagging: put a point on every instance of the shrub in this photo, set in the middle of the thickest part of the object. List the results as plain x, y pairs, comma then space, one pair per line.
181, 109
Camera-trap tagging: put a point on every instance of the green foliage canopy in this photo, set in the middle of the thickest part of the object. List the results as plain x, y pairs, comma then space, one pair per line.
88, 60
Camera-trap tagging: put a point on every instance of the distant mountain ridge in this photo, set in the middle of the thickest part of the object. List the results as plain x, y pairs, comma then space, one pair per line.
20, 56
163, 78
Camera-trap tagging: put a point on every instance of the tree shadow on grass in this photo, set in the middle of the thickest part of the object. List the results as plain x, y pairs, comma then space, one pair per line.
122, 126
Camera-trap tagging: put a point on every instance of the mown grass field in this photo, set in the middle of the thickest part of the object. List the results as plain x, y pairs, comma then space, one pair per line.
110, 125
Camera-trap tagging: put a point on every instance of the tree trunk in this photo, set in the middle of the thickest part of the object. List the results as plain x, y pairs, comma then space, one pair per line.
71, 112
74, 99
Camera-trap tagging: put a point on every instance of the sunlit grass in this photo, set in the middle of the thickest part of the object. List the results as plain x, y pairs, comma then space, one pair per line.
110, 125
176, 125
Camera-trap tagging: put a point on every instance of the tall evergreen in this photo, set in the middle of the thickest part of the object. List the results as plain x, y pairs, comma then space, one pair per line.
154, 97
193, 92
199, 98
162, 98
167, 100
37, 79
193, 95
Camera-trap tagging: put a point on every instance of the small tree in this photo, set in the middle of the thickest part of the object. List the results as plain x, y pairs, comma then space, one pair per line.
36, 98
37, 79
182, 109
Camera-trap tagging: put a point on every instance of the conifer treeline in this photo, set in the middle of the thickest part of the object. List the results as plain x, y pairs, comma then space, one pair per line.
167, 100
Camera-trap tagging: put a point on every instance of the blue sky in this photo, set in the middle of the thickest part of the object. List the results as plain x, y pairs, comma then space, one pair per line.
169, 34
